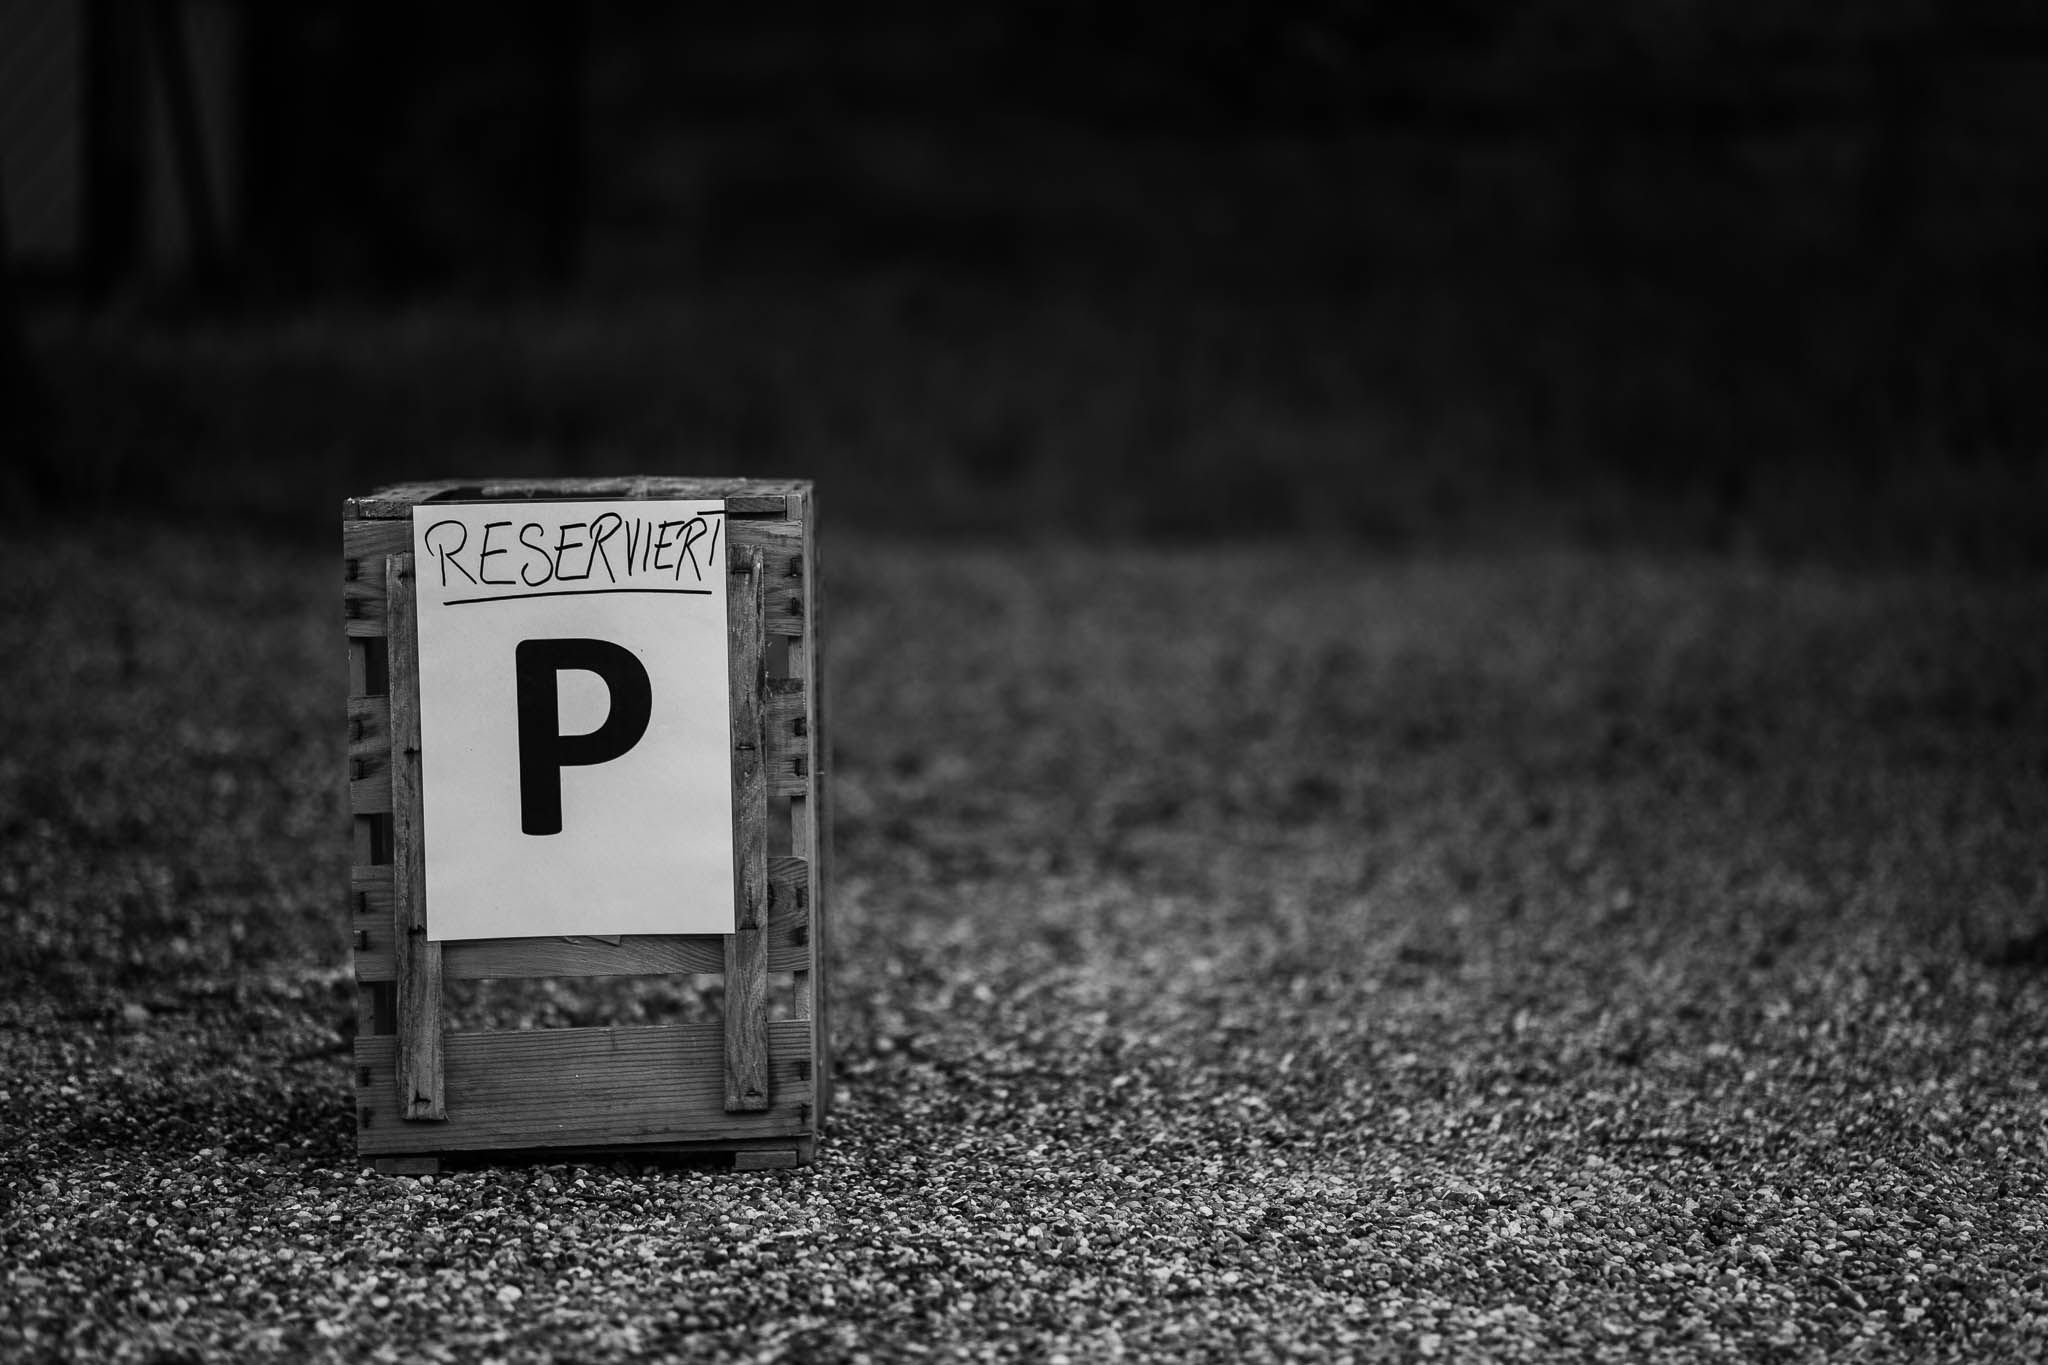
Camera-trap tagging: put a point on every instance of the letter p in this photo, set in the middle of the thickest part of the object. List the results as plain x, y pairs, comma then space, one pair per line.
543, 749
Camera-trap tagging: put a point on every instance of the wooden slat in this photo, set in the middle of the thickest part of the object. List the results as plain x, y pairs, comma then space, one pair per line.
805, 984
632, 955
785, 727
746, 949
566, 1087
808, 663
744, 500
746, 1020
770, 506
766, 497
781, 544
778, 541
802, 843
419, 1076
374, 1003
394, 502
378, 509
365, 546
383, 507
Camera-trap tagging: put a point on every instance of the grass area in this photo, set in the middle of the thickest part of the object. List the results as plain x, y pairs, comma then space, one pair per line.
1814, 339
928, 403
1240, 952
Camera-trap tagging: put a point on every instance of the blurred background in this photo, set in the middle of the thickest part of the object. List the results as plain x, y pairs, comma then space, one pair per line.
1746, 277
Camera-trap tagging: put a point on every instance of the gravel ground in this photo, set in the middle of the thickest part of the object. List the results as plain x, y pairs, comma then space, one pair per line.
1249, 954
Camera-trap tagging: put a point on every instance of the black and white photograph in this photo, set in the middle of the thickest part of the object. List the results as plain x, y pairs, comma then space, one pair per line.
1023, 681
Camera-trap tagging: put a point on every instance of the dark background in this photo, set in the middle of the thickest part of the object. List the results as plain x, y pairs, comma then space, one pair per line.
1396, 937
1735, 278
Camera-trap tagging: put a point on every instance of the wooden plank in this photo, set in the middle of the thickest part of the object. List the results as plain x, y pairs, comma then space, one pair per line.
703, 1151
365, 546
395, 501
419, 1076
781, 544
770, 505
807, 662
742, 497
746, 1021
785, 728
746, 949
745, 496
804, 981
632, 955
374, 1004
755, 497
592, 1086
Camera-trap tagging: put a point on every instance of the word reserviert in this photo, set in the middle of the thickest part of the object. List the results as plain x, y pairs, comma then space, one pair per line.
608, 551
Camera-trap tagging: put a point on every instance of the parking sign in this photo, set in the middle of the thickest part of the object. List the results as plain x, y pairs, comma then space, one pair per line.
575, 745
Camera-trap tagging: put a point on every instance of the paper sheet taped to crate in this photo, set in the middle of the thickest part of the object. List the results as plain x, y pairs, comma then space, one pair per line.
575, 742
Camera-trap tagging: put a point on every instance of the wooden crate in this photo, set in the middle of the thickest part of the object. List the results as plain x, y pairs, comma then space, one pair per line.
747, 1087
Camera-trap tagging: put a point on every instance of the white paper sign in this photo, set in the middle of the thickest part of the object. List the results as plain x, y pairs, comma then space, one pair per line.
575, 744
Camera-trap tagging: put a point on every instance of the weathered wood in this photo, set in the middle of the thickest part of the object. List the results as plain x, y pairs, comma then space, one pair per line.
418, 959
746, 1021
699, 1152
782, 548
746, 949
737, 503
807, 661
803, 1003
599, 1086
365, 546
746, 497
778, 541
633, 955
803, 844
375, 1006
395, 500
785, 734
